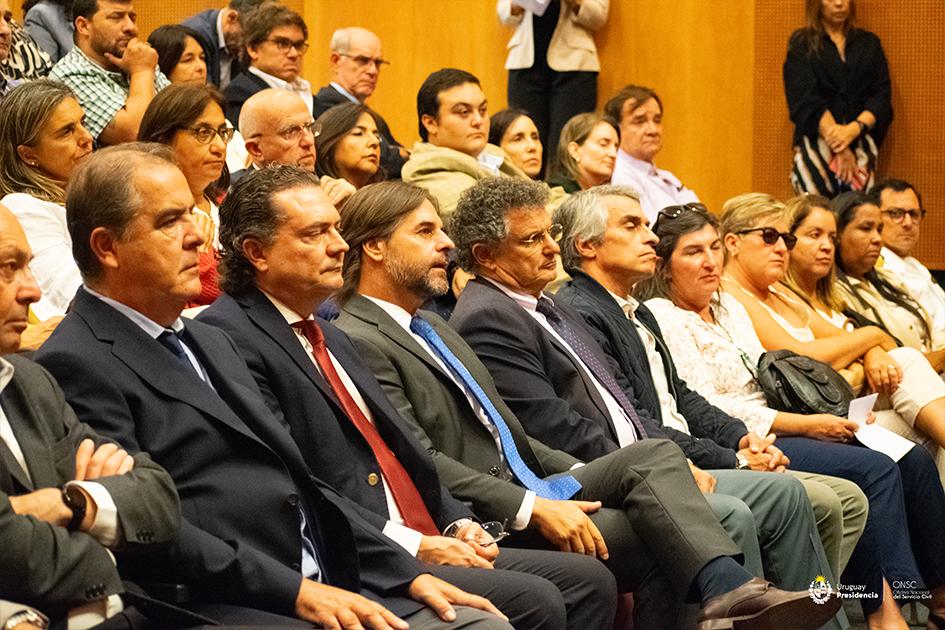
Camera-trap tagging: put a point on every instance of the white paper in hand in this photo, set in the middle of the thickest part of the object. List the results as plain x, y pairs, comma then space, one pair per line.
874, 436
538, 7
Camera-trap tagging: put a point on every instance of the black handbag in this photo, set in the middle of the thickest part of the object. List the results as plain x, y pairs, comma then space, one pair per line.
800, 384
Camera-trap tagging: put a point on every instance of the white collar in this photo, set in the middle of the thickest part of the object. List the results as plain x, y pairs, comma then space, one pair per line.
299, 85
6, 373
142, 321
221, 40
525, 300
290, 316
627, 304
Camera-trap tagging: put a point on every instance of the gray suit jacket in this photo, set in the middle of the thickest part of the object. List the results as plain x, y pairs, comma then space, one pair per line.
437, 410
45, 566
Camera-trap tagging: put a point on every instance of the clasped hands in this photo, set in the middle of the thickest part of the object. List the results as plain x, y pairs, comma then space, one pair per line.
761, 453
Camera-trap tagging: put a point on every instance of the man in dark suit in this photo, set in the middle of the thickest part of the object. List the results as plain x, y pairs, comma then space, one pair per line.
273, 286
67, 496
274, 38
263, 541
608, 247
654, 531
356, 61
221, 33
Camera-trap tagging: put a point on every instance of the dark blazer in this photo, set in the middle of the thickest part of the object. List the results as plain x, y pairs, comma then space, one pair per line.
327, 97
45, 566
205, 24
437, 410
715, 434
240, 88
332, 446
538, 378
241, 478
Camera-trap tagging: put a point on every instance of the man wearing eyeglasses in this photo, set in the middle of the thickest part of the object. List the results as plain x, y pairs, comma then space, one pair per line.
278, 128
902, 210
275, 40
356, 62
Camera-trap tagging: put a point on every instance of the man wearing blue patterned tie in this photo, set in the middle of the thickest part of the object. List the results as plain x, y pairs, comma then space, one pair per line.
638, 508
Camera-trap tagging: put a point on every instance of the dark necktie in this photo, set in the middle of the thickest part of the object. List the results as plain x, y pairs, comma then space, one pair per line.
171, 340
409, 502
563, 487
600, 371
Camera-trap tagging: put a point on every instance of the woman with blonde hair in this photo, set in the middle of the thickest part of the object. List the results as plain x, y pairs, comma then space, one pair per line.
42, 140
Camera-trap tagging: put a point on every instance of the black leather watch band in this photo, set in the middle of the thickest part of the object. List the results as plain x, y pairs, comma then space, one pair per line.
75, 500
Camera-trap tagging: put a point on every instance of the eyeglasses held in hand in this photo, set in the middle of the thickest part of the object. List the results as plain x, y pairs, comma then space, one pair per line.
555, 232
205, 135
495, 530
363, 60
770, 236
898, 214
283, 44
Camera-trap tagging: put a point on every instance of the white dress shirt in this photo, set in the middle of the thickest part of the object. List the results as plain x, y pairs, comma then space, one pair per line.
53, 267
394, 529
657, 188
226, 58
920, 283
626, 434
300, 86
105, 527
671, 415
524, 513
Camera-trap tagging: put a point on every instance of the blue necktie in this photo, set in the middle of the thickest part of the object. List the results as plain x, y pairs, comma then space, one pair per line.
170, 340
563, 487
600, 371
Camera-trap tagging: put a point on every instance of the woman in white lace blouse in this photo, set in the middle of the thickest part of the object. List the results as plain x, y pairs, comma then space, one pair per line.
715, 349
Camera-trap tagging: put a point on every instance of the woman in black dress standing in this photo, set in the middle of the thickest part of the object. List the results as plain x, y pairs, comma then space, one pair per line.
837, 84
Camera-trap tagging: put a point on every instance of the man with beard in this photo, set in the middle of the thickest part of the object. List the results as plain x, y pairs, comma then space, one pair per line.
221, 37
112, 72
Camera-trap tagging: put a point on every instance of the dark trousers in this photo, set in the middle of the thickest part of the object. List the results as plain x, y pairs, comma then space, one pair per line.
659, 529
542, 589
552, 99
903, 537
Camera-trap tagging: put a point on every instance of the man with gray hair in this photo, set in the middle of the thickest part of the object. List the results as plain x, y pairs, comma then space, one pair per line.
356, 61
607, 247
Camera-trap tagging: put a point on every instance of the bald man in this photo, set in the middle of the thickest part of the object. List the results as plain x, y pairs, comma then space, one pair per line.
356, 61
278, 128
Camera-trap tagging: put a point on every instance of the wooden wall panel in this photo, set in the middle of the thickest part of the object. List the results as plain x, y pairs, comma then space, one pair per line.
914, 147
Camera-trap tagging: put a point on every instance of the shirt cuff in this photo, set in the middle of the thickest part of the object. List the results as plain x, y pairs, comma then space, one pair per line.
94, 613
105, 526
577, 465
407, 538
524, 514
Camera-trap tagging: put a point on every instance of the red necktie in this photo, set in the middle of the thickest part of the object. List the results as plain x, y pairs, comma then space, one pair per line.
412, 508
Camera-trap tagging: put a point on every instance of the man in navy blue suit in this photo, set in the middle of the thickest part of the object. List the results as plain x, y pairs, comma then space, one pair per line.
221, 32
262, 541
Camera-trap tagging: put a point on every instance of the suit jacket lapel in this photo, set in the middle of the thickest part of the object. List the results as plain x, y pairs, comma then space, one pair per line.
156, 366
42, 469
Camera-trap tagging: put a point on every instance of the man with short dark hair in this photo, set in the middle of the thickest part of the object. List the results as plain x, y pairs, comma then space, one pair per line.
113, 73
68, 498
221, 37
275, 277
903, 212
454, 152
263, 541
356, 61
638, 509
275, 40
639, 111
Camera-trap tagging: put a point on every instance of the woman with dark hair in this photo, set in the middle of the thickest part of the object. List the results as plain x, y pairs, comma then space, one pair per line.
871, 293
587, 153
349, 145
49, 23
715, 350
42, 140
837, 84
190, 120
514, 131
180, 55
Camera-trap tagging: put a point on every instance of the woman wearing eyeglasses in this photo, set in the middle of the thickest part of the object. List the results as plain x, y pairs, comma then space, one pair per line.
42, 140
190, 120
715, 350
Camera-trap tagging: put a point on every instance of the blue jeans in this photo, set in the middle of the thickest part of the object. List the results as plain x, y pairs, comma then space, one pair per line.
903, 538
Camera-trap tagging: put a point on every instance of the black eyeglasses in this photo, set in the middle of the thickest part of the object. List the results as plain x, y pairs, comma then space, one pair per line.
205, 135
770, 236
284, 44
898, 214
363, 60
673, 212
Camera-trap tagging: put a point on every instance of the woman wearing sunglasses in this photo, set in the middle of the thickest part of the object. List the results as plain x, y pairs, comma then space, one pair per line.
715, 350
190, 120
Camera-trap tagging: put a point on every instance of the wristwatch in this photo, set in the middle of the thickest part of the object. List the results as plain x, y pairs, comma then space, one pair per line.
863, 127
75, 500
26, 616
742, 461
455, 526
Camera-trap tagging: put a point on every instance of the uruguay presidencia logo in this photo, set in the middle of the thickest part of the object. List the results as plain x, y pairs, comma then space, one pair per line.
820, 590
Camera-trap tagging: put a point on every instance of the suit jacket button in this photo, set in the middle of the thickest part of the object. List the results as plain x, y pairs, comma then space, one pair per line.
494, 471
373, 479
292, 500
